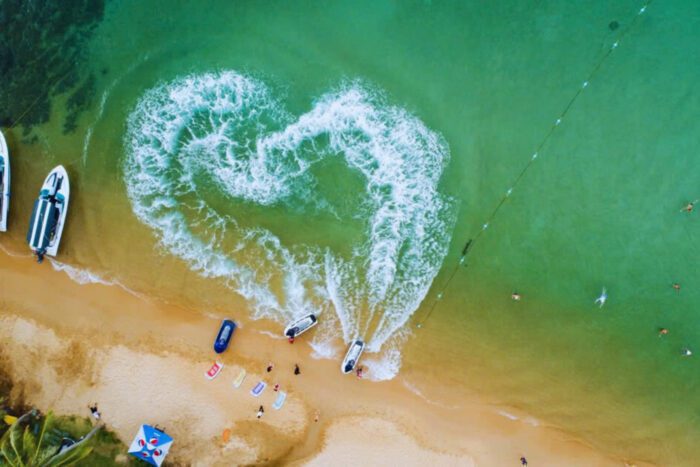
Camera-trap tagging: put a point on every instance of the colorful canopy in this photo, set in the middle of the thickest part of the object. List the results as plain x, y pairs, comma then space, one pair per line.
150, 445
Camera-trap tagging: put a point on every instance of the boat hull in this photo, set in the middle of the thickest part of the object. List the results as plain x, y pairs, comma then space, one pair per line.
300, 326
352, 356
4, 183
50, 211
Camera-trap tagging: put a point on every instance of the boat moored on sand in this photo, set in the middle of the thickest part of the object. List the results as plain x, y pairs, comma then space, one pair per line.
300, 326
49, 214
223, 337
4, 183
353, 356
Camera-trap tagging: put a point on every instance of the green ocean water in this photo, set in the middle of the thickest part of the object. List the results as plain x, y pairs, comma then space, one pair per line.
598, 208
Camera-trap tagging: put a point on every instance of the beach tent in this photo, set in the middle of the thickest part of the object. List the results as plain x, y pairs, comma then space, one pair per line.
150, 445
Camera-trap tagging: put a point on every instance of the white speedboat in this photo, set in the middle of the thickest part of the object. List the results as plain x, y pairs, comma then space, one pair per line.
4, 183
353, 356
49, 214
300, 326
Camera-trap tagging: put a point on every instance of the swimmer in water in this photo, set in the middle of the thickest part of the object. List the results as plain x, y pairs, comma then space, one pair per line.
663, 332
689, 207
603, 297
686, 352
516, 296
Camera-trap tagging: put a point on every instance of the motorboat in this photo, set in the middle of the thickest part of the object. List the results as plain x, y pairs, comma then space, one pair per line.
224, 336
353, 356
4, 183
300, 326
49, 214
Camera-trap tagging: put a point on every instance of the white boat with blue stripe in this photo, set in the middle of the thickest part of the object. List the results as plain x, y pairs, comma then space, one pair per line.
49, 214
4, 183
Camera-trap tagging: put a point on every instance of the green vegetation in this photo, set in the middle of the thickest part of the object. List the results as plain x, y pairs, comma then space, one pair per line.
35, 440
32, 441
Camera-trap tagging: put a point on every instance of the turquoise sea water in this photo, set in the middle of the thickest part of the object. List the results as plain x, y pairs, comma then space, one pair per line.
481, 81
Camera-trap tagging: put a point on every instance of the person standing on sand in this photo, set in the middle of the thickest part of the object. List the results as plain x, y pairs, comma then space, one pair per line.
261, 411
276, 388
296, 369
269, 366
291, 339
93, 410
523, 461
317, 414
359, 372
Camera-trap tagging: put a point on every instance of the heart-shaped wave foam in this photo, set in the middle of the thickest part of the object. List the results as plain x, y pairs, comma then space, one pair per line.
226, 131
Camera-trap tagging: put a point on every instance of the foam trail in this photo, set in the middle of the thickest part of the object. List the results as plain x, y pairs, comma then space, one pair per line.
226, 131
101, 109
420, 394
85, 276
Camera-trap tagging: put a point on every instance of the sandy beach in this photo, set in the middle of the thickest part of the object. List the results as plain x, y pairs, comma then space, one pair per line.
144, 361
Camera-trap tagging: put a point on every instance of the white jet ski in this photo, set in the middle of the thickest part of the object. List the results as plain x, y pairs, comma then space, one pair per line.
300, 326
353, 356
49, 214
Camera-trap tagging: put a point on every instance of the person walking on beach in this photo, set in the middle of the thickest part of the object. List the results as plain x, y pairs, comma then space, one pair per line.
601, 300
359, 372
523, 461
296, 369
276, 388
269, 366
93, 410
261, 411
317, 414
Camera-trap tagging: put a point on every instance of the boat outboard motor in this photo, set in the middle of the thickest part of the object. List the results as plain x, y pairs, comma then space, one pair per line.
293, 332
350, 365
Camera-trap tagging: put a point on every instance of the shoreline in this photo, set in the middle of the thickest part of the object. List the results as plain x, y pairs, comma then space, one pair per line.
106, 344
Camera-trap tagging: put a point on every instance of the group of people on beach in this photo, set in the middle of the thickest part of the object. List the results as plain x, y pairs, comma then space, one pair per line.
276, 387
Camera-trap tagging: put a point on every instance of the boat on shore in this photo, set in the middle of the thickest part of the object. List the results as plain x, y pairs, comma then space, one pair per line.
352, 356
224, 335
4, 183
300, 326
49, 214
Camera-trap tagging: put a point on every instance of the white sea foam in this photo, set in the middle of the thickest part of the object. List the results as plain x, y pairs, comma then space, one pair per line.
85, 276
411, 387
13, 254
227, 131
271, 334
81, 276
529, 420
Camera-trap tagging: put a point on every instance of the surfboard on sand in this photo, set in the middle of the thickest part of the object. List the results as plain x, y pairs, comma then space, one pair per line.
214, 370
239, 379
279, 402
258, 389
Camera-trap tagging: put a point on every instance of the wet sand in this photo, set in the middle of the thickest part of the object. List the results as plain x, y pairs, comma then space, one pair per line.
66, 345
